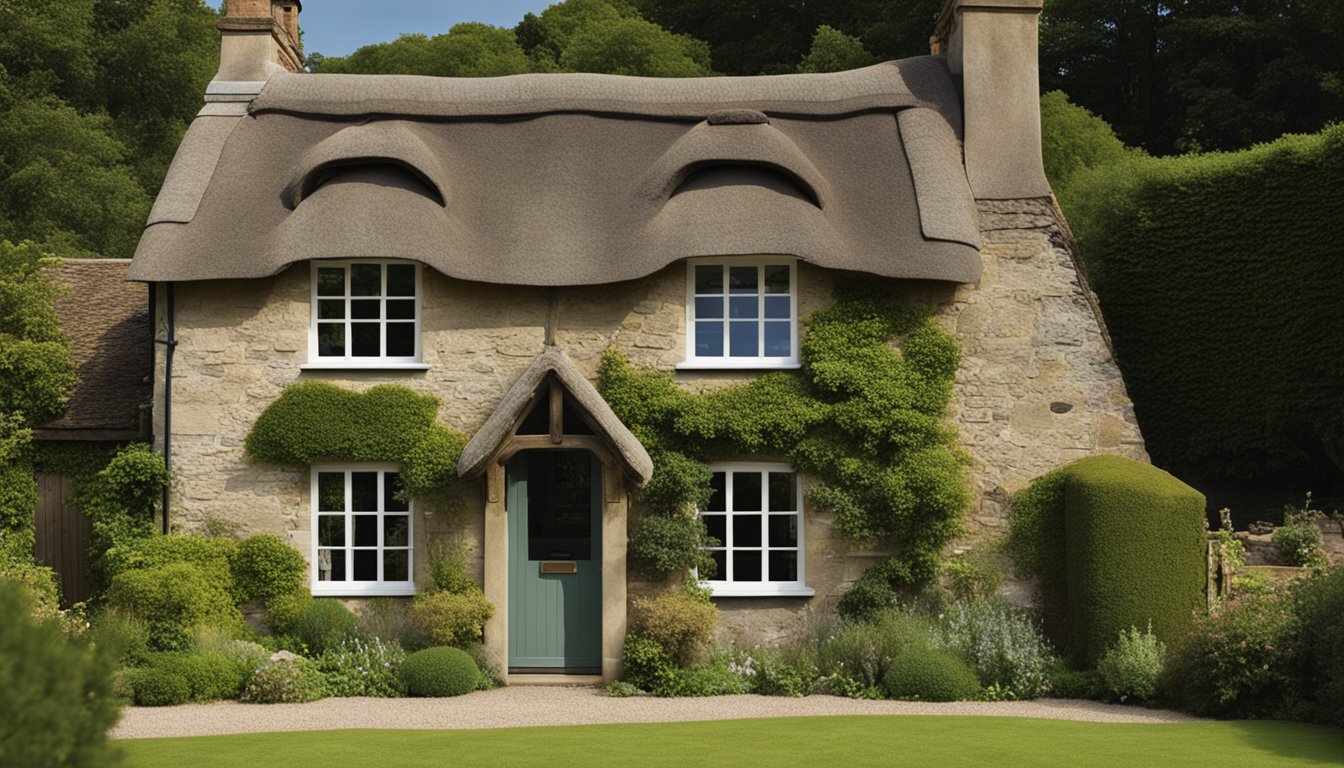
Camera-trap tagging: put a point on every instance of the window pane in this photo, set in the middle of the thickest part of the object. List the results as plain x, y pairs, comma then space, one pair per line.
331, 530
709, 278
366, 279
331, 339
783, 492
746, 491
747, 565
778, 307
777, 340
783, 566
746, 530
708, 307
742, 339
742, 279
366, 530
331, 309
717, 527
366, 565
400, 339
364, 491
718, 500
396, 530
331, 491
331, 565
777, 278
743, 306
783, 530
366, 309
392, 487
396, 565
709, 339
720, 558
402, 309
400, 280
331, 281
365, 337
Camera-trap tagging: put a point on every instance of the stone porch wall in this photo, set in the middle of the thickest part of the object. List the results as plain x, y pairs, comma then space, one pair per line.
1037, 385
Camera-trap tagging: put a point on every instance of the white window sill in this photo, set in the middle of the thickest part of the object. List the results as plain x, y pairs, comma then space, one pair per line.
763, 591
340, 365
353, 589
738, 365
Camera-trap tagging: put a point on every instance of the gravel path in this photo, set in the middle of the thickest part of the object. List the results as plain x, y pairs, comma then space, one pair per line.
519, 706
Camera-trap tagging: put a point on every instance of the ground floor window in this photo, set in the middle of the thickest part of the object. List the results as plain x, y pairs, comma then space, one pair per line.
361, 532
755, 514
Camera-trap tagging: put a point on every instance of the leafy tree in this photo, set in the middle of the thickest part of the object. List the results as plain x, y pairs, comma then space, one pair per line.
1073, 140
834, 51
630, 46
468, 50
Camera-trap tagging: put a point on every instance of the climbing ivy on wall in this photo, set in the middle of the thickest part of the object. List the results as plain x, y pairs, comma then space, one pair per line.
864, 416
315, 421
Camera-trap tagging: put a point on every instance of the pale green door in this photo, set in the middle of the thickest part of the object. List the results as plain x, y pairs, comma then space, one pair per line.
554, 505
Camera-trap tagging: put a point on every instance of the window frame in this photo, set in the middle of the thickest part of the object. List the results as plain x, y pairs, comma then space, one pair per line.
691, 361
350, 587
720, 586
348, 361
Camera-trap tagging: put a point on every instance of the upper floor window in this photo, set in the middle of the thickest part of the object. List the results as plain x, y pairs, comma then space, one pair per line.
361, 532
755, 515
742, 313
365, 313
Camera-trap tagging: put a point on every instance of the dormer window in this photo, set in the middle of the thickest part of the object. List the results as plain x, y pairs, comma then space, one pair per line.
741, 313
365, 314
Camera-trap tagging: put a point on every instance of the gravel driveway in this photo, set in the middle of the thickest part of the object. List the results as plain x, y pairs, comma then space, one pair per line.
519, 706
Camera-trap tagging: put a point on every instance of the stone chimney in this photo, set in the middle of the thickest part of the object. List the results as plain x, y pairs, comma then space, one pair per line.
259, 38
991, 49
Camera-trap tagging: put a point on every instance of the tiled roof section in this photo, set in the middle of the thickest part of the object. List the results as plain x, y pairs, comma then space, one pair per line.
107, 320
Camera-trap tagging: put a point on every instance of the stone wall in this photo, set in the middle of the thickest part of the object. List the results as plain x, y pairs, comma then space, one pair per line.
1037, 385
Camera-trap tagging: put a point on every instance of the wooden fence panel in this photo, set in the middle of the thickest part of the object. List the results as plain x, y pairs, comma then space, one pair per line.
62, 537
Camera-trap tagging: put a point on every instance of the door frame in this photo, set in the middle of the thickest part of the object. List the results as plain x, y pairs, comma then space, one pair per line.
615, 512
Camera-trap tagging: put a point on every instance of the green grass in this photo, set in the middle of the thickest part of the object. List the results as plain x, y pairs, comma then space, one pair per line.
944, 742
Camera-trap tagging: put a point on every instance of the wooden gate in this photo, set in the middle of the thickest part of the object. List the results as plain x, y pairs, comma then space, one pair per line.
62, 537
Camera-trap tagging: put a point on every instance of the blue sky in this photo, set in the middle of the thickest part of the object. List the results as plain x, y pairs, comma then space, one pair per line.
337, 27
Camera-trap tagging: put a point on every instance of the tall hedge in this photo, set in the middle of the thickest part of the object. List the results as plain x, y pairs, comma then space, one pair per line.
1219, 277
1134, 543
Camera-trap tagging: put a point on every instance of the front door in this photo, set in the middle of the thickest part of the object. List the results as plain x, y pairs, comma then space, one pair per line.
554, 504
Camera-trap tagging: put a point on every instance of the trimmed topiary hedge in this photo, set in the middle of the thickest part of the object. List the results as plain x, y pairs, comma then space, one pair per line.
1134, 542
926, 674
440, 671
266, 567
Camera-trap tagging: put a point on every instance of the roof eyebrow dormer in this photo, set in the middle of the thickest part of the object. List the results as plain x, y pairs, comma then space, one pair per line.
382, 143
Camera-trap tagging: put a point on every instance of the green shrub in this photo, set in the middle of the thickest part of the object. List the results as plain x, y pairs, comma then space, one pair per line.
286, 681
1132, 667
1001, 643
678, 622
1069, 683
57, 703
283, 610
125, 638
1230, 340
363, 668
1236, 663
867, 598
323, 625
153, 687
716, 676
974, 575
1036, 528
120, 500
212, 557
660, 546
266, 567
439, 671
783, 673
448, 566
1298, 541
1073, 140
647, 666
209, 676
450, 618
923, 674
172, 600
1318, 605
854, 658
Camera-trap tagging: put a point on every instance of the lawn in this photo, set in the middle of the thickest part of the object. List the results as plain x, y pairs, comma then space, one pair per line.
945, 742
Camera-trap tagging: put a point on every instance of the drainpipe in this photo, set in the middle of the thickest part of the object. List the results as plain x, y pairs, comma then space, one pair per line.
169, 344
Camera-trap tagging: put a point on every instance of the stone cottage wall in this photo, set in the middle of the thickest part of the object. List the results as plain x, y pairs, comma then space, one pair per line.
1037, 385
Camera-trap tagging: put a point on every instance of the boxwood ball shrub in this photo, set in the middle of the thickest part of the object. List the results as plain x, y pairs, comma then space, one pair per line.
440, 671
266, 567
56, 701
324, 624
925, 674
157, 687
1135, 548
